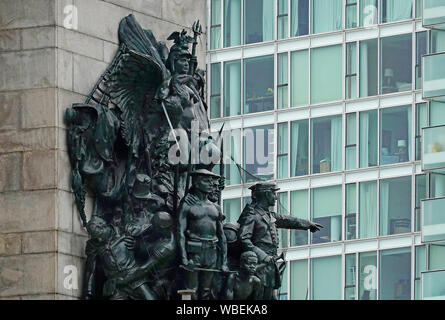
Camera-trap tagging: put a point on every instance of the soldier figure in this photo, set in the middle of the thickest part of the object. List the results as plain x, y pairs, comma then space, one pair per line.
201, 240
258, 233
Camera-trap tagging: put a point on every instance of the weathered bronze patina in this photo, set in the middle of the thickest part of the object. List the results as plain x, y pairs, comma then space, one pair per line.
156, 228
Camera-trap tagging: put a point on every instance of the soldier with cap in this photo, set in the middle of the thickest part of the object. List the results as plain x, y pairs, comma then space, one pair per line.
201, 240
258, 233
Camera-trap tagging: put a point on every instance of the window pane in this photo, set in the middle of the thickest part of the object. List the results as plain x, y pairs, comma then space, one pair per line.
326, 74
437, 185
232, 23
326, 210
326, 15
420, 266
421, 122
300, 18
351, 70
436, 256
258, 84
283, 209
299, 78
232, 209
368, 276
420, 194
437, 41
282, 157
298, 280
368, 67
326, 144
350, 274
368, 12
351, 211
299, 209
395, 206
258, 20
326, 278
351, 141
395, 274
368, 209
282, 101
396, 65
395, 135
368, 138
232, 148
232, 88
437, 113
420, 50
259, 153
351, 16
299, 148
215, 98
282, 19
395, 10
215, 35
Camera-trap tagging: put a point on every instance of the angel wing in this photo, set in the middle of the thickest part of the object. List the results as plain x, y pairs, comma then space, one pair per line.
133, 83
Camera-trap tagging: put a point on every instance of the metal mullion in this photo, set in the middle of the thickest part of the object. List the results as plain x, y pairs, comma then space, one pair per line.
357, 142
308, 291
289, 19
289, 78
357, 279
378, 271
289, 146
288, 231
378, 207
413, 59
343, 274
242, 24
357, 199
379, 14
413, 267
344, 15
222, 24
275, 149
379, 63
221, 89
243, 87
310, 19
275, 18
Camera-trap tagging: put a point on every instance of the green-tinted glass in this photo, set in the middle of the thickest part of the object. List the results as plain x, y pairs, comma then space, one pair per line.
299, 280
395, 206
299, 78
368, 209
232, 23
326, 74
326, 278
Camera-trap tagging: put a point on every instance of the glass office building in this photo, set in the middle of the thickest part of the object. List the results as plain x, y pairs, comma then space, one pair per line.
340, 103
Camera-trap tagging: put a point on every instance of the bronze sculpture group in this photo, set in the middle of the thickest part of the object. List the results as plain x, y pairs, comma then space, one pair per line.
157, 226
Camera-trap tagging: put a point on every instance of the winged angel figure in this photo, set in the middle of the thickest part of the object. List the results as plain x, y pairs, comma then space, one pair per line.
121, 133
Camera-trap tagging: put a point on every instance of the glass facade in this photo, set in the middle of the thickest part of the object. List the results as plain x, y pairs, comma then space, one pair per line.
328, 101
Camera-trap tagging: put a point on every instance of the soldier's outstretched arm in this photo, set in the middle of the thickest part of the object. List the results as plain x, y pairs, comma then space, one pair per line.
290, 222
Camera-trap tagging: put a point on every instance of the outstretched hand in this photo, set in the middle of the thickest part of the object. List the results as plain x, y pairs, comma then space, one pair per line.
314, 227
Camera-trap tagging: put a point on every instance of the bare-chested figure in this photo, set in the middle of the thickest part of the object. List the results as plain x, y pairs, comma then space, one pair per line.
202, 243
244, 285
